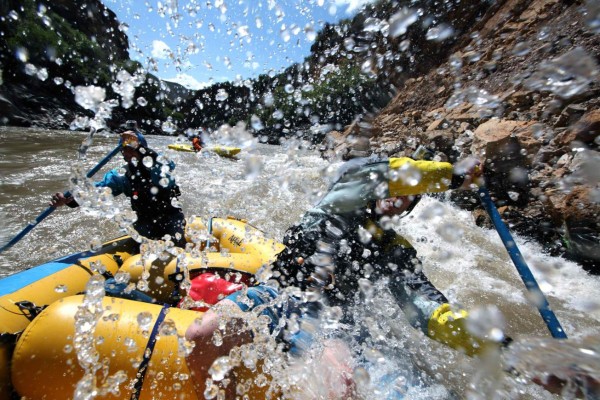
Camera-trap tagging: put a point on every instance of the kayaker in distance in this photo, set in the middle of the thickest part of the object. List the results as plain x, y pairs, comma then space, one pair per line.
197, 143
348, 237
150, 187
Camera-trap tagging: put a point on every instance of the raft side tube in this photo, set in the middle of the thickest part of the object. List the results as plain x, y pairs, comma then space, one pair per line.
45, 355
243, 248
237, 236
49, 282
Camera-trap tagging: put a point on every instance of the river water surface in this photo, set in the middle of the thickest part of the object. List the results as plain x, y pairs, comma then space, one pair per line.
271, 187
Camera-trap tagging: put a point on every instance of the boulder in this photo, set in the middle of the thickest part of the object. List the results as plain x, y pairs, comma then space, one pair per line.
586, 130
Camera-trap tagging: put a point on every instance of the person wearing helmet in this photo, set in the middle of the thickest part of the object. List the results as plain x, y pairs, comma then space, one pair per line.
150, 187
346, 238
197, 143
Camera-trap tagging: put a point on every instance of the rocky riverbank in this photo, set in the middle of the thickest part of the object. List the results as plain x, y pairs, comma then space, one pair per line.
519, 91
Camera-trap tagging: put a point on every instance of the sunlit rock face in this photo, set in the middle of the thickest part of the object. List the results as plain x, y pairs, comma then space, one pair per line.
519, 90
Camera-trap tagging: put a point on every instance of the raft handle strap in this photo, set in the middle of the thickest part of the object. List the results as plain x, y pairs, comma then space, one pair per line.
29, 309
143, 368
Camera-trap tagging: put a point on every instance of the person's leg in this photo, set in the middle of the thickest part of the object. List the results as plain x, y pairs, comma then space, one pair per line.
336, 368
228, 318
206, 351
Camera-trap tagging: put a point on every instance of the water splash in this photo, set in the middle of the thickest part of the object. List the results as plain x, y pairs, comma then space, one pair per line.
487, 104
566, 76
86, 318
439, 33
399, 22
89, 97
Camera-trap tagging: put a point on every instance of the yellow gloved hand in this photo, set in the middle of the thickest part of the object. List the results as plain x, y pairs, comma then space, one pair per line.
449, 327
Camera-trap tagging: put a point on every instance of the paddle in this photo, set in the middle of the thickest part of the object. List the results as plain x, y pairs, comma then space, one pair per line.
51, 209
513, 251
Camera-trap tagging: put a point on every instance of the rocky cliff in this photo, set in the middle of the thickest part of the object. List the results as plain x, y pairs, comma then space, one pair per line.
520, 91
512, 82
51, 47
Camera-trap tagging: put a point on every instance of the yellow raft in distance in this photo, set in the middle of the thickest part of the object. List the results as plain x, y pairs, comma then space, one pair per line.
223, 151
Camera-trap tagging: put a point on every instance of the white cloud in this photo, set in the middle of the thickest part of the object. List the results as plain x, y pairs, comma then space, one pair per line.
160, 49
188, 82
353, 5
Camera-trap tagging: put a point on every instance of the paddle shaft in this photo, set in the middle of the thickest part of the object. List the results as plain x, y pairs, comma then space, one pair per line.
51, 209
513, 251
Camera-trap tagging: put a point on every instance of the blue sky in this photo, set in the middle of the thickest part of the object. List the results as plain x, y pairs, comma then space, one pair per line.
200, 42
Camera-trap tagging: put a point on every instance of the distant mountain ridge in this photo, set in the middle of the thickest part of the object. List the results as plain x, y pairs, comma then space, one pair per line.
175, 92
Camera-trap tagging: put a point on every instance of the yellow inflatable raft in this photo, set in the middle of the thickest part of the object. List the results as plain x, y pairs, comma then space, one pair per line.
137, 347
223, 151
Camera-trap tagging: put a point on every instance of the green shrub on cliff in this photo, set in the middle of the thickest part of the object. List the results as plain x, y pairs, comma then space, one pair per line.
47, 40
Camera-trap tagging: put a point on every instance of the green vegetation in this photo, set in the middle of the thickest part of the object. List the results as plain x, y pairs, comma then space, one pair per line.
52, 42
327, 88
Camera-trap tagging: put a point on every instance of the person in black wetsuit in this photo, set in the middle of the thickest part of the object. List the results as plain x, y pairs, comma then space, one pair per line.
340, 241
348, 236
152, 190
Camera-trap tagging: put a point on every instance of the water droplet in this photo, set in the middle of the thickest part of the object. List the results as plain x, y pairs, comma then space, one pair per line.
168, 328
256, 123
60, 289
565, 76
514, 196
400, 21
130, 344
439, 33
22, 54
285, 34
484, 101
310, 33
211, 391
95, 244
521, 49
221, 95
220, 368
168, 126
486, 322
277, 114
89, 97
144, 319
142, 101
122, 277
148, 161
30, 69
592, 8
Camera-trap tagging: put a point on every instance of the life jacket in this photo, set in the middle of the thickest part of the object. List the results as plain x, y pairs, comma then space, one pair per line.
148, 199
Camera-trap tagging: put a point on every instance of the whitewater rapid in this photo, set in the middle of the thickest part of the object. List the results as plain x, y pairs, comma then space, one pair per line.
271, 187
